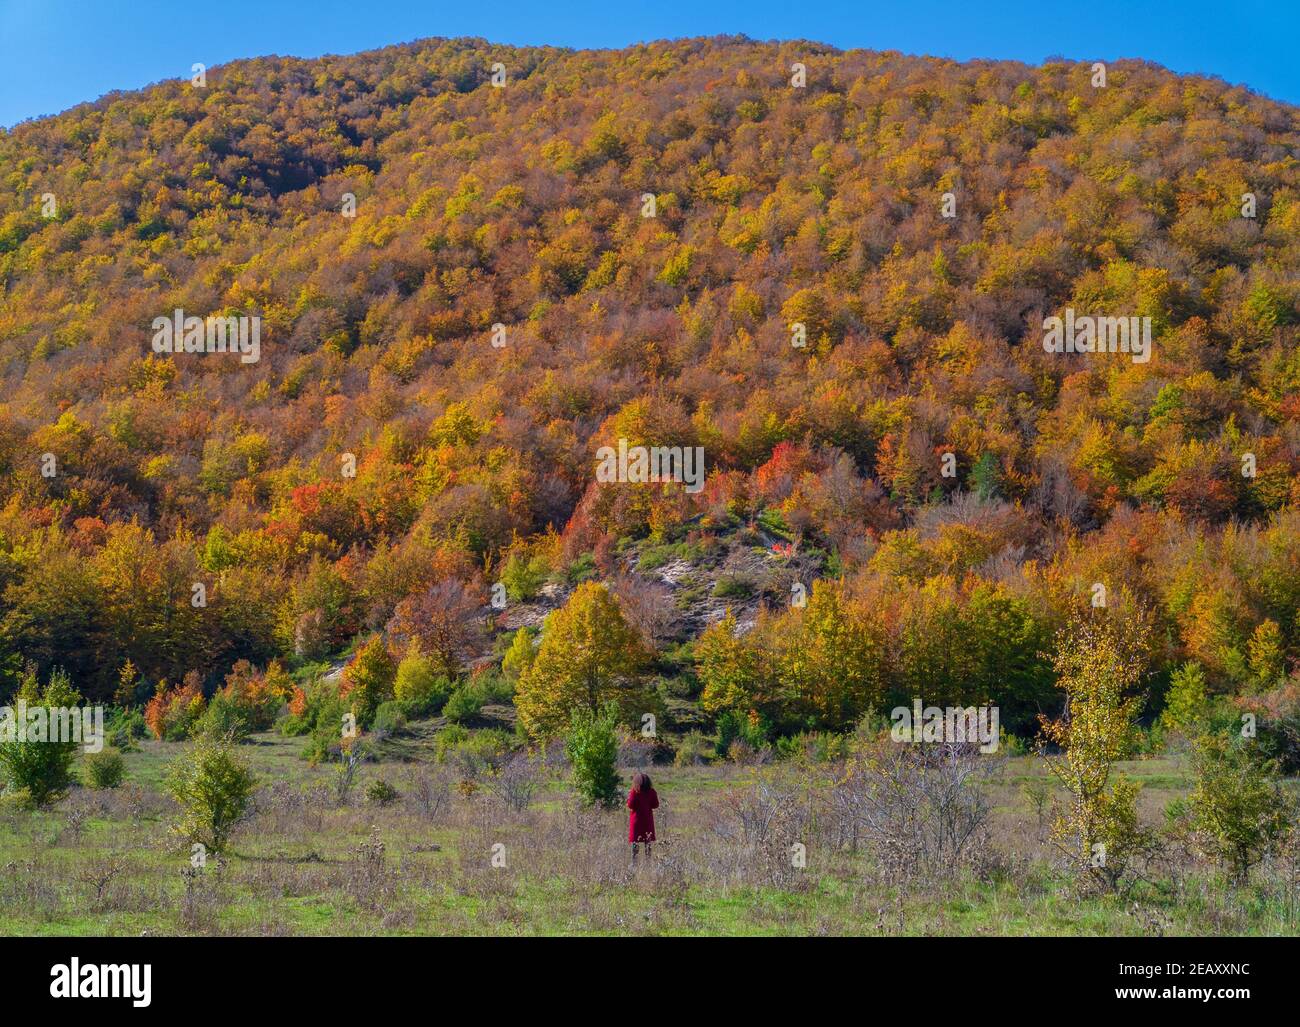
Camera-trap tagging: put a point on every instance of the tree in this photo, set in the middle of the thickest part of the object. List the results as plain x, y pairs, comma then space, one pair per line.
446, 620
1187, 705
592, 748
730, 668
368, 680
1238, 809
831, 658
589, 656
1098, 663
213, 789
520, 654
35, 762
418, 681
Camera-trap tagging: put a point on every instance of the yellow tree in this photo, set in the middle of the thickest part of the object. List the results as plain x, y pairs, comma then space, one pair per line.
730, 668
1099, 661
832, 658
589, 656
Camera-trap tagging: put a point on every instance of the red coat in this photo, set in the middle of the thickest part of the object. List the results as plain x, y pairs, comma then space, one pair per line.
641, 824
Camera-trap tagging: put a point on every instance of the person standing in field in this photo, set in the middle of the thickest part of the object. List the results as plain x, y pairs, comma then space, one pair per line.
642, 801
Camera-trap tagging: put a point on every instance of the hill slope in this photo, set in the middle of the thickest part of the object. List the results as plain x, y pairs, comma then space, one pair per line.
525, 207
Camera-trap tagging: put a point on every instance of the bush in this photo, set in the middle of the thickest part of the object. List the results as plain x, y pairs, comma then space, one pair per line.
592, 748
223, 719
815, 747
524, 576
1277, 716
466, 702
1238, 809
213, 789
252, 697
37, 768
381, 793
419, 684
693, 749
172, 713
124, 727
368, 680
750, 728
473, 750
318, 711
390, 717
519, 656
104, 769
733, 587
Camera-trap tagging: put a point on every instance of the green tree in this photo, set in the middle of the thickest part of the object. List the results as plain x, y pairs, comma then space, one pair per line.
418, 681
213, 789
519, 657
35, 762
1238, 808
730, 668
832, 658
1187, 705
592, 748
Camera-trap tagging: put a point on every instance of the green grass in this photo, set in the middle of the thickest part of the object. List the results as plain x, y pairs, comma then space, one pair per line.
294, 868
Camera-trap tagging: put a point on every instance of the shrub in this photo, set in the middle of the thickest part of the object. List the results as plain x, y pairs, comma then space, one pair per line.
592, 748
1187, 703
473, 751
38, 768
750, 728
464, 703
815, 747
224, 718
419, 684
390, 717
514, 782
381, 793
213, 789
448, 740
124, 727
1238, 809
368, 680
523, 576
104, 769
1277, 717
693, 749
252, 697
733, 587
318, 711
172, 713
519, 656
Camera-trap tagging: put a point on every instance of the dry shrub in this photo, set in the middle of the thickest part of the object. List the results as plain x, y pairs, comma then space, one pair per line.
920, 807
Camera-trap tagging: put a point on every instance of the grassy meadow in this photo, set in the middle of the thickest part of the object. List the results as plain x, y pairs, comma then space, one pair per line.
311, 860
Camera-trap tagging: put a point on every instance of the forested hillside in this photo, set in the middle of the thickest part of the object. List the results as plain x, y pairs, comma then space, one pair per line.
645, 226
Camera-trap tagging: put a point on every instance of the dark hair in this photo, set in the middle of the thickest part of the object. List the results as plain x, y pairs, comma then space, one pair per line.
640, 782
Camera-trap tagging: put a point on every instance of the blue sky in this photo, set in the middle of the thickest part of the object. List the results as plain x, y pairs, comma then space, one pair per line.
57, 53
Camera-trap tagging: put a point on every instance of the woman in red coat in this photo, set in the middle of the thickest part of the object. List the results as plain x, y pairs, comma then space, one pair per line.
642, 801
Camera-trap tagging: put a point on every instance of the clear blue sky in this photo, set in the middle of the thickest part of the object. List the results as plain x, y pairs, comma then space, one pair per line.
57, 53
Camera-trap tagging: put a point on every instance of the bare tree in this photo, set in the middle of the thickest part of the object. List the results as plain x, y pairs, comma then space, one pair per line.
447, 621
920, 807
649, 606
